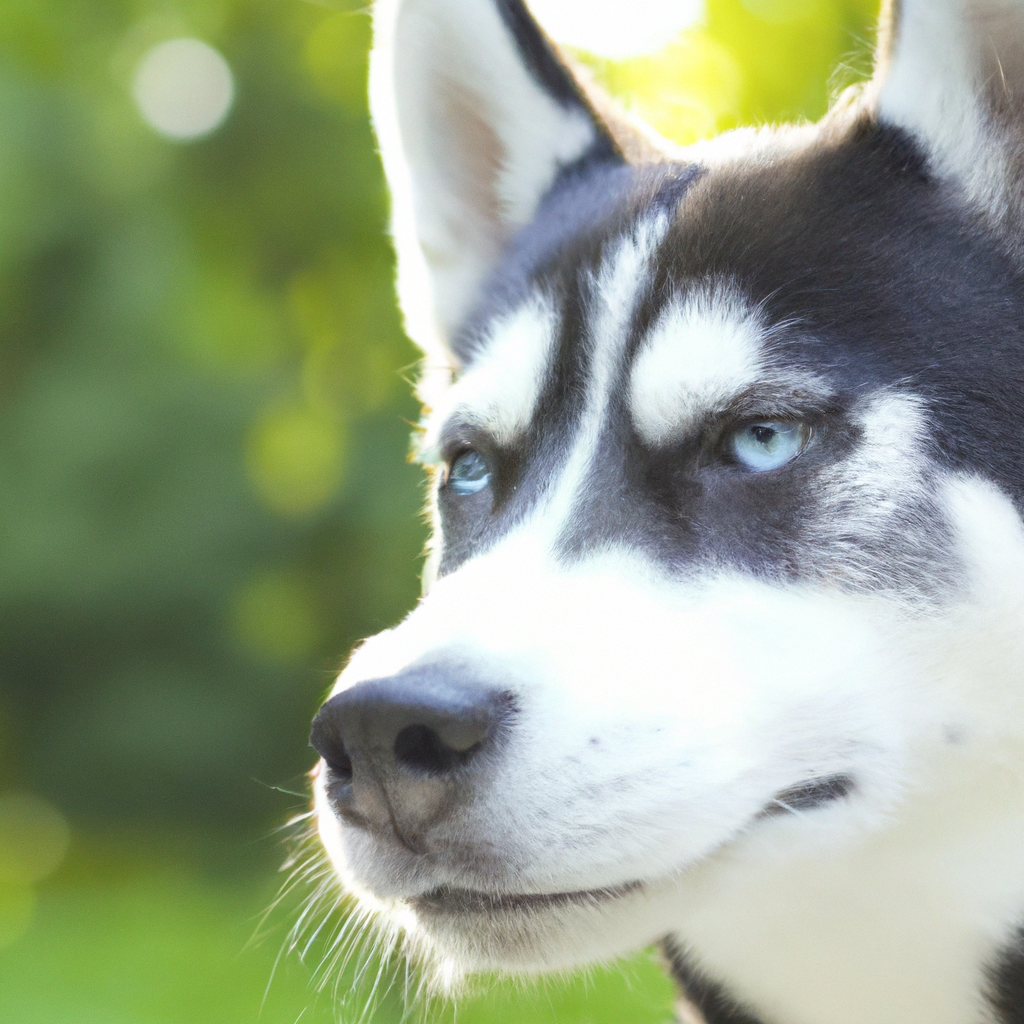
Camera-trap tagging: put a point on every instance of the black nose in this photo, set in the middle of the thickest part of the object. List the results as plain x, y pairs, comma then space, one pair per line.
403, 752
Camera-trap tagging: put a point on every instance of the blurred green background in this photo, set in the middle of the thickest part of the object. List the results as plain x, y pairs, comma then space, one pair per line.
204, 497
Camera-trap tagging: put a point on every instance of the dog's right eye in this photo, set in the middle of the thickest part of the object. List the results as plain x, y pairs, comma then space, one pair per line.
468, 473
768, 444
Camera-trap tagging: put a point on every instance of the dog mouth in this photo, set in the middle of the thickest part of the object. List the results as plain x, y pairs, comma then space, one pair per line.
448, 900
807, 796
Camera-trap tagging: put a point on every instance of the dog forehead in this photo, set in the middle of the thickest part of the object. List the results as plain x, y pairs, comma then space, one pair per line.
574, 318
700, 321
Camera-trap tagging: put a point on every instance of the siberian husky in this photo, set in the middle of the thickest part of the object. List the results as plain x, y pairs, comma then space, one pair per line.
722, 643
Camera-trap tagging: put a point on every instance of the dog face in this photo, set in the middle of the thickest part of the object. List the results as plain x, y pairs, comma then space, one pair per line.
726, 469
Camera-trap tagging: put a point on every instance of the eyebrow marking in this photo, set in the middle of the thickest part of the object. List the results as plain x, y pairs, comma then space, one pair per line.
499, 391
704, 349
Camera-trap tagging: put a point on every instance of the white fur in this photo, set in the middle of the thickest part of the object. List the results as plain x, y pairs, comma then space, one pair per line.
823, 917
895, 926
882, 486
499, 391
704, 349
720, 660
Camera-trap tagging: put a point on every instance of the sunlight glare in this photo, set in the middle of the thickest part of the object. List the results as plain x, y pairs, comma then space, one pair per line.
615, 29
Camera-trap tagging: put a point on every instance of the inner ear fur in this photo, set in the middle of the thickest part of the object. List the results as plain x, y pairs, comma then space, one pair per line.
951, 73
477, 113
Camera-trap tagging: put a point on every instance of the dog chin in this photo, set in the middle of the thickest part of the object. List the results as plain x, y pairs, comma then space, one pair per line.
459, 928
467, 931
454, 932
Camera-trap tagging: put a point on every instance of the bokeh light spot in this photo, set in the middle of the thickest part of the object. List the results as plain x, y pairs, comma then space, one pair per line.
183, 88
687, 91
614, 29
294, 458
34, 838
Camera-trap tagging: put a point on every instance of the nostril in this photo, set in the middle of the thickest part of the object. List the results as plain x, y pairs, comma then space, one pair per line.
326, 741
340, 766
421, 748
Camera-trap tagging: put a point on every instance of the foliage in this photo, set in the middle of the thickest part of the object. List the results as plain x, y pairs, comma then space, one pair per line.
204, 499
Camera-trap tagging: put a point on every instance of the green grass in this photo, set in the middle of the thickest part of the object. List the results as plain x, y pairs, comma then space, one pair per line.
136, 940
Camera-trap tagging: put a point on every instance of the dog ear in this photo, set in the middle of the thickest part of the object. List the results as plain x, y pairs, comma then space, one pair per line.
951, 72
476, 115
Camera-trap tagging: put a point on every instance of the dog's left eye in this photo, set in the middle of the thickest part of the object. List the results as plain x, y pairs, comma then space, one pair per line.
768, 444
468, 473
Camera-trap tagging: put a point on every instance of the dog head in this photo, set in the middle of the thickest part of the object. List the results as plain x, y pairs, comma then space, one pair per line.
723, 481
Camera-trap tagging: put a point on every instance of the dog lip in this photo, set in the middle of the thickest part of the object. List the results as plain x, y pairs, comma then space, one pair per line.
449, 900
809, 795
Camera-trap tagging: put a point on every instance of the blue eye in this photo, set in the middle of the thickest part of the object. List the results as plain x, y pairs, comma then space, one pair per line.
468, 473
768, 444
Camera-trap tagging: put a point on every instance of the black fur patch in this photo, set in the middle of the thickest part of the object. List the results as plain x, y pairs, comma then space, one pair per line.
893, 281
810, 795
1005, 990
712, 999
549, 72
537, 54
560, 252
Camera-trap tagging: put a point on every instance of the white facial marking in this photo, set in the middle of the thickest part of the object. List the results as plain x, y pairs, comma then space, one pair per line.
656, 719
704, 349
499, 391
882, 486
618, 288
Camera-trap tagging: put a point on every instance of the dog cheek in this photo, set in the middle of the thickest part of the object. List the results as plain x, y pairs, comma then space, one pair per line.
677, 753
